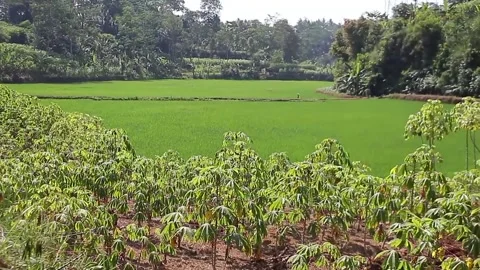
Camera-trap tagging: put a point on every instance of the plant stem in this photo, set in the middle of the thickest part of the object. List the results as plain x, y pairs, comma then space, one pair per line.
365, 230
276, 243
475, 148
304, 231
214, 253
412, 191
467, 141
227, 252
384, 242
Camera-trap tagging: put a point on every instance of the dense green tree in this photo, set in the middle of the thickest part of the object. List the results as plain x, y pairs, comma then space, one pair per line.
3, 10
16, 11
425, 49
289, 40
403, 11
210, 16
316, 38
154, 39
55, 26
110, 9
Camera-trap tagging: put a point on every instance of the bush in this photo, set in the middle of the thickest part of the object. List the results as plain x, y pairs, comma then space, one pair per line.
208, 68
15, 34
23, 63
434, 53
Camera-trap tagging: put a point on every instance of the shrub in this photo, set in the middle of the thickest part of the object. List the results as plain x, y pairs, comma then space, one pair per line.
14, 34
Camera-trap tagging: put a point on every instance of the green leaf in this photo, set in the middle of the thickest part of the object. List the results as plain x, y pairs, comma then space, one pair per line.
129, 266
396, 243
298, 262
205, 233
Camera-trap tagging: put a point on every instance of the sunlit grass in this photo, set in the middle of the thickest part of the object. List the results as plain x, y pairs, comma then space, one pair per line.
181, 88
371, 130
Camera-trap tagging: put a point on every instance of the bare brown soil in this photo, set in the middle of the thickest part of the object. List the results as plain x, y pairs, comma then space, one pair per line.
197, 256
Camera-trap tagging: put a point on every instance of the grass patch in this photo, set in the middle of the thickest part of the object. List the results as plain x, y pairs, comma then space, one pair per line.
181, 88
370, 129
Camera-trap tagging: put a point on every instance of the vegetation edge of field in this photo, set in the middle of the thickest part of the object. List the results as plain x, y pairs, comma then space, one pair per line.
184, 98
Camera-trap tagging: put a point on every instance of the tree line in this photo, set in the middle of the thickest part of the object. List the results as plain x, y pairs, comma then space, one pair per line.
422, 49
132, 39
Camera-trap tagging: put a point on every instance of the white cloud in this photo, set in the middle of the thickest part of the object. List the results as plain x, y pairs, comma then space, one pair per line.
336, 10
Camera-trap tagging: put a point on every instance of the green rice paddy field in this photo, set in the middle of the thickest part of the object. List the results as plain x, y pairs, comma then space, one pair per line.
371, 130
181, 88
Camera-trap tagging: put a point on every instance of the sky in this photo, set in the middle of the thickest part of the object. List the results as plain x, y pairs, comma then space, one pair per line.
293, 10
